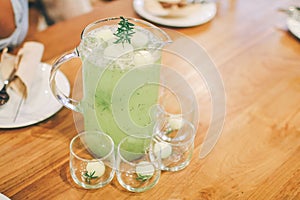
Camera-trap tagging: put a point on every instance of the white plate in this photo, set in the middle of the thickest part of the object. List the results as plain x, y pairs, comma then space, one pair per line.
40, 103
294, 27
201, 14
3, 197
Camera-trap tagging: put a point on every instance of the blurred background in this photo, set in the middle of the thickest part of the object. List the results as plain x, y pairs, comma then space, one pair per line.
44, 13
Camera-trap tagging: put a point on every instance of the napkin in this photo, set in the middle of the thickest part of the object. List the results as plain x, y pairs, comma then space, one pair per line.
26, 65
32, 53
7, 64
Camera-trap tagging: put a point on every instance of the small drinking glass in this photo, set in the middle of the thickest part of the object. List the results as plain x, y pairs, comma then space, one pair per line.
174, 139
181, 105
92, 159
138, 168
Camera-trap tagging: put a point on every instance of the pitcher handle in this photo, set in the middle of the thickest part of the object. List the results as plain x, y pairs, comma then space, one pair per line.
60, 96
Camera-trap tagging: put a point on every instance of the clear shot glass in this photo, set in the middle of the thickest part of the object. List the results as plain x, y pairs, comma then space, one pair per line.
92, 159
138, 168
174, 140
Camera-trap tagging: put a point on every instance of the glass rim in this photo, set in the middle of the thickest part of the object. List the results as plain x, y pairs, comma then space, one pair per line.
192, 108
129, 162
130, 19
84, 133
159, 139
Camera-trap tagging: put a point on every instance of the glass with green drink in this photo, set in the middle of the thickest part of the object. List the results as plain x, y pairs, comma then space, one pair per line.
121, 74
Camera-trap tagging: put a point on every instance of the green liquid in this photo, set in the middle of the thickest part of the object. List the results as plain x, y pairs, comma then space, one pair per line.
136, 108
118, 101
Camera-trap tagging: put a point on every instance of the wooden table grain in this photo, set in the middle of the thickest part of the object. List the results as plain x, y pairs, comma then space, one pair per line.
258, 153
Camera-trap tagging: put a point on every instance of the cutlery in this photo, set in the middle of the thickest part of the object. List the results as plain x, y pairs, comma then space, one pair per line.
4, 96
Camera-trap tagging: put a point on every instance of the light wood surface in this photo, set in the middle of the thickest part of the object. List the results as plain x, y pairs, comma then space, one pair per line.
258, 153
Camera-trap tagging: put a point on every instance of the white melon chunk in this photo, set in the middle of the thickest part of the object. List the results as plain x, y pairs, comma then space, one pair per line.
143, 58
175, 122
165, 149
97, 166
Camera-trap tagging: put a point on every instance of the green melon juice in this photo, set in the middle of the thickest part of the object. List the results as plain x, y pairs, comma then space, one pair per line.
120, 83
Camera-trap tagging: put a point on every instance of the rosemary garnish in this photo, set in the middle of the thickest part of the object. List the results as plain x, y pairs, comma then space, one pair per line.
168, 131
88, 177
143, 178
124, 31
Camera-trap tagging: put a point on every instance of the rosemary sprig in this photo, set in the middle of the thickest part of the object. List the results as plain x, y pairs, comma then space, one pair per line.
168, 131
104, 104
88, 177
143, 178
124, 31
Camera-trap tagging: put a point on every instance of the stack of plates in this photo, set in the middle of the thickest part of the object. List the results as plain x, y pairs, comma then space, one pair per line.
201, 14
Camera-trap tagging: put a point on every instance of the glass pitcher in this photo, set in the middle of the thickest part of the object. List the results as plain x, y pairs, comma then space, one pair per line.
120, 76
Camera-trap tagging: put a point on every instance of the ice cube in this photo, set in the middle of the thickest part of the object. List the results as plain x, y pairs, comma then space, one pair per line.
118, 50
90, 42
105, 35
139, 39
143, 58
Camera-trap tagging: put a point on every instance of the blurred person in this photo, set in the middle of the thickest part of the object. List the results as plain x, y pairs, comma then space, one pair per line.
13, 22
59, 10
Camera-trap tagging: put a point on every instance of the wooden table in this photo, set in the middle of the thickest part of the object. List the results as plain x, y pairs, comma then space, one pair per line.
257, 155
